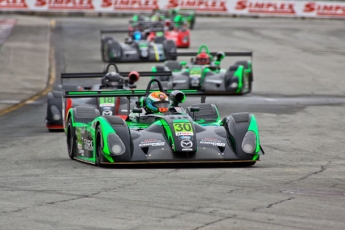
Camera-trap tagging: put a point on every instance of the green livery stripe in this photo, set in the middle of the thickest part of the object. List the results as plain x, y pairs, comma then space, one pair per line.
253, 126
239, 75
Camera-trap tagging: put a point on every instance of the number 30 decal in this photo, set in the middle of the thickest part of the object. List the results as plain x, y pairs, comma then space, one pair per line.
182, 127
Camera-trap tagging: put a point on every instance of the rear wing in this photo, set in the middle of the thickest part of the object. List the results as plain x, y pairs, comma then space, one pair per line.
106, 70
152, 29
124, 74
230, 54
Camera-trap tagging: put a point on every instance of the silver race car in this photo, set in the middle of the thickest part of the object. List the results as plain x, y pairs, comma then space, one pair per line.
204, 72
139, 46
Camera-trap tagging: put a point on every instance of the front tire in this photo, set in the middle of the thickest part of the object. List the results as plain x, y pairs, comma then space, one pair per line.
71, 140
99, 152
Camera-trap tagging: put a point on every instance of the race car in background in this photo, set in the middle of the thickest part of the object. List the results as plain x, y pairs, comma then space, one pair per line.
106, 105
204, 72
137, 47
164, 30
176, 16
196, 134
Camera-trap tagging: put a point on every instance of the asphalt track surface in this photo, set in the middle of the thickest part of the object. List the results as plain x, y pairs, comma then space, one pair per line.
298, 99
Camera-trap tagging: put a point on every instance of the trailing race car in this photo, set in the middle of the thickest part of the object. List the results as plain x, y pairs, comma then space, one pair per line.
137, 48
106, 105
205, 72
158, 130
179, 33
178, 16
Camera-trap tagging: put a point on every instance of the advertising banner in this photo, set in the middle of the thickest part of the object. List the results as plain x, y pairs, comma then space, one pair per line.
285, 8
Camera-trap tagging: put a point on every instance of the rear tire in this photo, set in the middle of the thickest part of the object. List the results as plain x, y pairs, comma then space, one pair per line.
170, 50
173, 65
104, 53
250, 77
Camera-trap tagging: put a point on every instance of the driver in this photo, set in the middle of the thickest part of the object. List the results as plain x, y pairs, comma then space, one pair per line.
112, 80
156, 102
202, 59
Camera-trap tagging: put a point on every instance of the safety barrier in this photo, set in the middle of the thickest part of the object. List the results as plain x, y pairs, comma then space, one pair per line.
276, 8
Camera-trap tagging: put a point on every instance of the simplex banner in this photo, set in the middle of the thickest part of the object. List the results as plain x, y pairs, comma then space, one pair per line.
277, 8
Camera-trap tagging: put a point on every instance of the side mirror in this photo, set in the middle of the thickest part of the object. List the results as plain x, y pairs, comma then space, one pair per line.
137, 110
183, 63
217, 63
194, 109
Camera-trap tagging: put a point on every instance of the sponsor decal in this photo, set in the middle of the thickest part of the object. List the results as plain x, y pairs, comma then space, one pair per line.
184, 133
88, 145
82, 130
65, 4
81, 152
199, 5
266, 7
186, 145
131, 4
80, 146
13, 4
107, 113
183, 129
325, 9
151, 142
185, 137
212, 141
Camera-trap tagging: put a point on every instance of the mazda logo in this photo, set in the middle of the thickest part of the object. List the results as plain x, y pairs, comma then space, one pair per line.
107, 113
186, 143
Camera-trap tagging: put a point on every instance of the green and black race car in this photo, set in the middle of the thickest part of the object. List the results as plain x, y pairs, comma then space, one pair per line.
204, 72
195, 134
176, 16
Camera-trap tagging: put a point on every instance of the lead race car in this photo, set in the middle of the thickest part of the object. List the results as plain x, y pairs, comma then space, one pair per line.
106, 105
137, 48
158, 130
177, 32
205, 72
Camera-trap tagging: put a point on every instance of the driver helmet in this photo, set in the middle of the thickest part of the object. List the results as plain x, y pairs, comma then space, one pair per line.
202, 59
137, 35
157, 102
112, 79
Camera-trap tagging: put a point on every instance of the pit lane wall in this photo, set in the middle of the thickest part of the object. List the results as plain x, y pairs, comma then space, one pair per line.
276, 8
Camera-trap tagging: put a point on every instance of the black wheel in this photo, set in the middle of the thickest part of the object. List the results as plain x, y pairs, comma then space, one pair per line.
173, 65
170, 50
104, 49
71, 140
250, 77
161, 78
192, 24
99, 152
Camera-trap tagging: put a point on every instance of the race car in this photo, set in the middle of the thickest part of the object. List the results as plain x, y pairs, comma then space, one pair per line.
173, 134
164, 30
204, 72
176, 15
106, 105
136, 48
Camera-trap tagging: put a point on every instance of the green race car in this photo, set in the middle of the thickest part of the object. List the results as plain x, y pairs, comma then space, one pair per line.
178, 17
196, 134
204, 72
